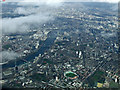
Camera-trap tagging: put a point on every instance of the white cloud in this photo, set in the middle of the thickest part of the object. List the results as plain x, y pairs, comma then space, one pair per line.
8, 55
22, 24
25, 11
108, 35
34, 16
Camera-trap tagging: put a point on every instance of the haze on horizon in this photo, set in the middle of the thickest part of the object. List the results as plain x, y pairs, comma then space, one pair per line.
58, 1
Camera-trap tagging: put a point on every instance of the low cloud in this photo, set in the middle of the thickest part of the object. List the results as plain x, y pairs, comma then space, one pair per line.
22, 24
25, 11
8, 55
108, 35
33, 15
115, 7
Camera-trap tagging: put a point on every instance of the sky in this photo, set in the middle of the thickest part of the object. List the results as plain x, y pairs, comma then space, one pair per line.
94, 1
58, 1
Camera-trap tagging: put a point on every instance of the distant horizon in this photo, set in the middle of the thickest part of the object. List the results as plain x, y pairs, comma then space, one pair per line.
59, 1
91, 2
68, 2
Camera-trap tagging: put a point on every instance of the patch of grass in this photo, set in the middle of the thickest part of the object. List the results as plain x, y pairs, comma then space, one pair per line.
70, 75
7, 46
38, 77
113, 84
98, 76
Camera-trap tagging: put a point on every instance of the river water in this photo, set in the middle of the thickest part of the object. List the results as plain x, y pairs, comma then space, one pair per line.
46, 45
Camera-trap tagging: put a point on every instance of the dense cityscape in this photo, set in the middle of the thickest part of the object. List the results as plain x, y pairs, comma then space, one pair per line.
78, 49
